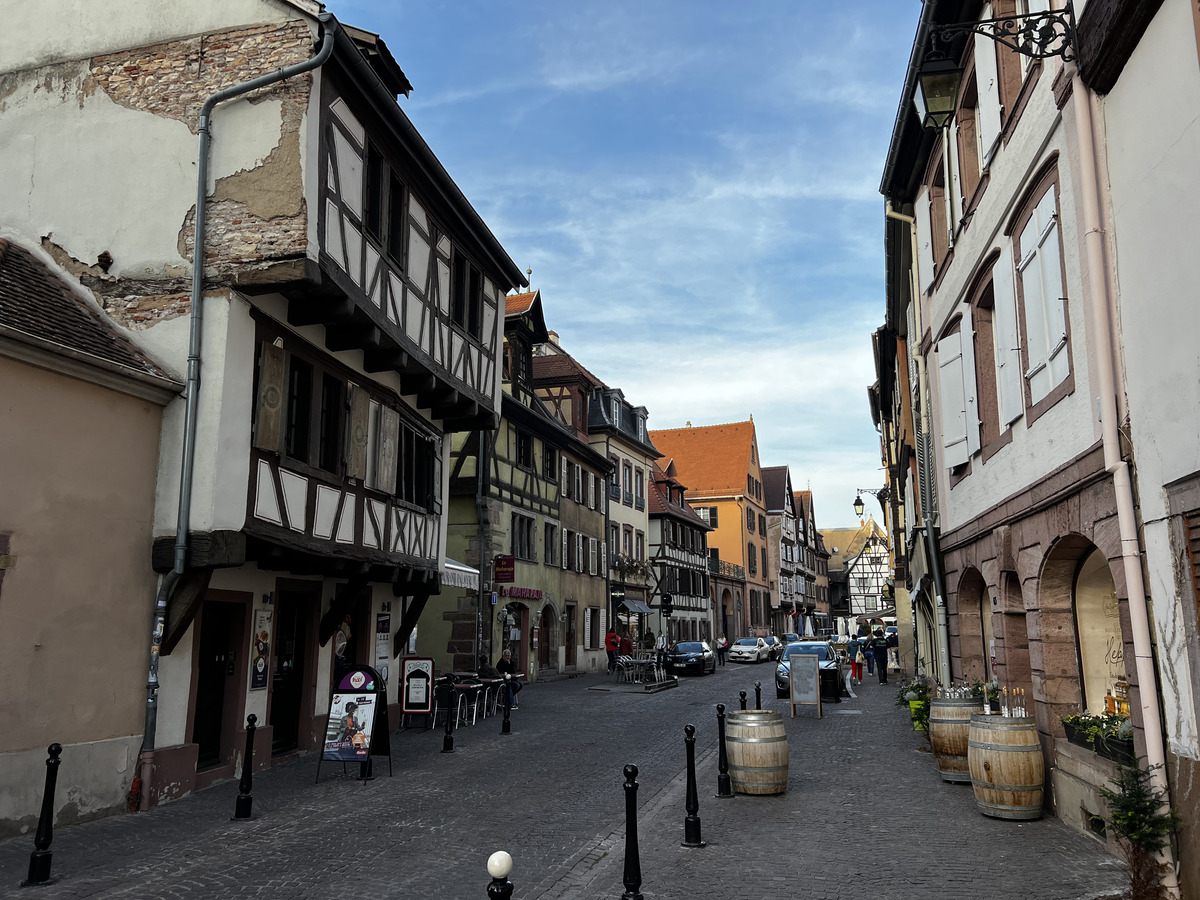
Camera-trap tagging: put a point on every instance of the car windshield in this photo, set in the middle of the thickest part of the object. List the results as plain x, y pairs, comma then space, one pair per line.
821, 651
689, 647
747, 642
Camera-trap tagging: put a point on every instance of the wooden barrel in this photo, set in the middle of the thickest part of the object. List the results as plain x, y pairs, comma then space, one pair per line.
1007, 772
949, 727
757, 748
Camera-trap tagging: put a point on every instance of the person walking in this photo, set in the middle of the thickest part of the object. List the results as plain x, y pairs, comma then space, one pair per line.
660, 648
722, 646
854, 652
612, 643
879, 649
864, 639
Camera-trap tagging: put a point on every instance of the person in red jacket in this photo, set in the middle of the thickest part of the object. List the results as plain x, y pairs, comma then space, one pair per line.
612, 643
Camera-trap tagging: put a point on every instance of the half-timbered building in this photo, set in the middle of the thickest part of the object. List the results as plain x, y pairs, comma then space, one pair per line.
539, 510
341, 320
782, 549
679, 557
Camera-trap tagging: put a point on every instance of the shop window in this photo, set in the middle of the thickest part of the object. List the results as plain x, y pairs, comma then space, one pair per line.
1098, 622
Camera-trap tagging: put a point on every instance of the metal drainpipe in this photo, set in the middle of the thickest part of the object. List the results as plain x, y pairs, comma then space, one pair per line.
192, 392
481, 512
929, 516
1106, 350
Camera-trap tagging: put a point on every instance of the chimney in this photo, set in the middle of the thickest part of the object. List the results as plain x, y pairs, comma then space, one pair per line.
554, 338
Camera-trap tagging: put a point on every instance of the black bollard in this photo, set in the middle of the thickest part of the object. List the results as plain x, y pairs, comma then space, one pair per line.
758, 695
244, 800
742, 695
633, 863
506, 726
40, 859
724, 786
499, 866
451, 718
691, 822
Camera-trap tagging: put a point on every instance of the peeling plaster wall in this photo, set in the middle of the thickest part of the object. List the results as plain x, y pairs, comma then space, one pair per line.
1151, 118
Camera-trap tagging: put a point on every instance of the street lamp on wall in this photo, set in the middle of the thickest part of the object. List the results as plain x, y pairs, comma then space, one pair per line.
880, 494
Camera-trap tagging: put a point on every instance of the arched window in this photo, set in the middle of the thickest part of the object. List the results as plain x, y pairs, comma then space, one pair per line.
1098, 623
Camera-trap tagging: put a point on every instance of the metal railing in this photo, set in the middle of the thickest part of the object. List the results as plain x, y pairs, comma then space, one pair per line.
728, 569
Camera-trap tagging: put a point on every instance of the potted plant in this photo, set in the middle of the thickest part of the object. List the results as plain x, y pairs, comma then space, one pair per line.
1109, 735
1142, 828
978, 686
915, 695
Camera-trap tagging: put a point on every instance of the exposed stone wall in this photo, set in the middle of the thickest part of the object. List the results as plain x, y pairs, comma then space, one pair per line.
256, 216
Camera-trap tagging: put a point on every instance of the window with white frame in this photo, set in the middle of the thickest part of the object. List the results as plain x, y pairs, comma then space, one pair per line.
1040, 284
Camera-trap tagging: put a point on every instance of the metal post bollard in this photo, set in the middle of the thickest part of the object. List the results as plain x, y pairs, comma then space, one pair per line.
451, 718
724, 786
633, 863
742, 695
691, 822
40, 858
244, 801
506, 727
499, 866
758, 695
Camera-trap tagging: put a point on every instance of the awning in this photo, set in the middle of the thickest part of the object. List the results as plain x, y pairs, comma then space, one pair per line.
456, 574
636, 606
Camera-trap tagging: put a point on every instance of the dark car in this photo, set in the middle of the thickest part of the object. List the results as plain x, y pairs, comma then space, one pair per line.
691, 656
774, 647
790, 638
832, 679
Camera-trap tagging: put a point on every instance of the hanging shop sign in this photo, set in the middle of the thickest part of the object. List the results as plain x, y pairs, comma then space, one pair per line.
357, 727
260, 666
505, 570
383, 644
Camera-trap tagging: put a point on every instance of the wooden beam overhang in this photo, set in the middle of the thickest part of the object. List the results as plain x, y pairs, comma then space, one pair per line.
277, 557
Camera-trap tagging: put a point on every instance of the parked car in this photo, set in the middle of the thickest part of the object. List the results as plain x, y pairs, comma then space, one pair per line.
790, 638
774, 647
832, 676
691, 656
748, 650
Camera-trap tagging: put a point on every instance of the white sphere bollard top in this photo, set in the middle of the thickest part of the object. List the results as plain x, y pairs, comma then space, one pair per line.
500, 864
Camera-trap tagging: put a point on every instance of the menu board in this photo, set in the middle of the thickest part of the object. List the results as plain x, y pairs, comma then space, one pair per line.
805, 681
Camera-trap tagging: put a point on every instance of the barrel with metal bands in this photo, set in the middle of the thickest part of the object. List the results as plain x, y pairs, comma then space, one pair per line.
757, 748
1004, 756
949, 727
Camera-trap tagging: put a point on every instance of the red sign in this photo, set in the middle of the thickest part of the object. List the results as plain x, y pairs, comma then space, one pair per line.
524, 593
505, 571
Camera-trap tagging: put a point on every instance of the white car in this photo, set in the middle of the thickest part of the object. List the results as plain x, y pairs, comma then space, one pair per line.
749, 650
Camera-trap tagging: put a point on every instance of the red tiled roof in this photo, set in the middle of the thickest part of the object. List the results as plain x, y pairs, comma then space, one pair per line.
710, 458
34, 302
658, 500
519, 304
562, 365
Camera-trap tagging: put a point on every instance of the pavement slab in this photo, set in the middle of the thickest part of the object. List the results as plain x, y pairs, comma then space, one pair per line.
865, 815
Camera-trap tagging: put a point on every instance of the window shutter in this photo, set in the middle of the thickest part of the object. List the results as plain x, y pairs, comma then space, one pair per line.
970, 400
564, 548
591, 556
389, 435
1008, 344
356, 433
1051, 266
578, 552
587, 629
603, 558
924, 241
565, 484
603, 628
953, 403
270, 398
987, 77
578, 496
436, 486
591, 491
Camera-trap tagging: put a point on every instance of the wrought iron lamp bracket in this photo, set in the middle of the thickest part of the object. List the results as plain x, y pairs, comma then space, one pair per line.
1039, 35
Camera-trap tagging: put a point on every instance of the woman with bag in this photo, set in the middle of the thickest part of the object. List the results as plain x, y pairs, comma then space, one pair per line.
854, 652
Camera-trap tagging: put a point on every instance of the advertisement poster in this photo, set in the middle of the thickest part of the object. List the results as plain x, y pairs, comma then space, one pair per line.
348, 734
260, 665
505, 571
383, 644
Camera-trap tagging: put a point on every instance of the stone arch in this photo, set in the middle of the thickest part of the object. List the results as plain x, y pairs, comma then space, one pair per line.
547, 620
1053, 641
1012, 636
971, 629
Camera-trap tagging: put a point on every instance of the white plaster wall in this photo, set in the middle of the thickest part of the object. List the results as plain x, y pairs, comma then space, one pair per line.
174, 685
1151, 118
95, 175
1069, 428
51, 30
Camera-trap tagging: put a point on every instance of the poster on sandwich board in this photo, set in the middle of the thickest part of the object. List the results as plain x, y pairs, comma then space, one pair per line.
804, 682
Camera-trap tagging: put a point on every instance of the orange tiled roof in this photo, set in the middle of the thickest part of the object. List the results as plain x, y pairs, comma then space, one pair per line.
710, 458
519, 304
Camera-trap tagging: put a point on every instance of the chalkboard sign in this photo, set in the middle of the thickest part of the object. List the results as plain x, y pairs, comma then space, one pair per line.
805, 681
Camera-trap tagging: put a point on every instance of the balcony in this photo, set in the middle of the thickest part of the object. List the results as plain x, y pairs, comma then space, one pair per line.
727, 569
640, 503
614, 491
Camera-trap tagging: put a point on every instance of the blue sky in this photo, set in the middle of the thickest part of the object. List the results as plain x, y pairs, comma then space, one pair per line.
695, 187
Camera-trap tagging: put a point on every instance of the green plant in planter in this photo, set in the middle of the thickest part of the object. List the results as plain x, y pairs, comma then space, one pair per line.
1142, 828
1097, 732
915, 695
978, 686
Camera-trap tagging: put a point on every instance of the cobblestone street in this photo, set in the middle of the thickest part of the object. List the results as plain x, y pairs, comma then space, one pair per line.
865, 815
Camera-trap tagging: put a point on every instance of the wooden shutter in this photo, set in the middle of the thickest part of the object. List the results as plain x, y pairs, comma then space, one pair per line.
987, 79
591, 491
970, 398
385, 456
577, 480
359, 402
1009, 383
953, 403
268, 421
436, 485
565, 484
564, 548
578, 552
591, 556
603, 557
1191, 524
924, 226
587, 629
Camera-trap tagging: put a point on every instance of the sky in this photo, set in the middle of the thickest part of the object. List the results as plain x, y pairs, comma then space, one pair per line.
694, 186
